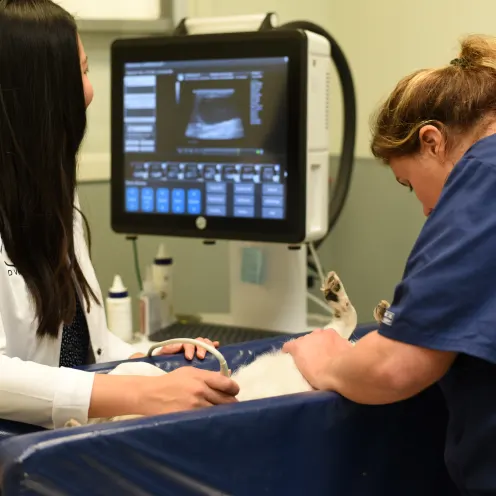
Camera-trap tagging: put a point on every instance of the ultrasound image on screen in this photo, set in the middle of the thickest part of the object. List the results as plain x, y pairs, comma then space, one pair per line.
204, 106
215, 116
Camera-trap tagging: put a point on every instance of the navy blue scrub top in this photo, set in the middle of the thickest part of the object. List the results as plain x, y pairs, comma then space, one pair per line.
447, 301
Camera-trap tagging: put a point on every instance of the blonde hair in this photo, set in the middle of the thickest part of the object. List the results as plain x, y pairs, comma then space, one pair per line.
454, 98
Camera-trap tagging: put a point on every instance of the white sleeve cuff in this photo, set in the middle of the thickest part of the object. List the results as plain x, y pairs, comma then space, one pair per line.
72, 396
118, 349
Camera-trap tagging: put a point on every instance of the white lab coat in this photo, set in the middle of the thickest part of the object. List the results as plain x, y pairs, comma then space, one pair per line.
33, 388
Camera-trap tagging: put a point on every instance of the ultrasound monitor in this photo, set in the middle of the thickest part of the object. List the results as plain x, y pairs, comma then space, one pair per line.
210, 136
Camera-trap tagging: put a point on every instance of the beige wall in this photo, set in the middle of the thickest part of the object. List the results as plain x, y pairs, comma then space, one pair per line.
387, 39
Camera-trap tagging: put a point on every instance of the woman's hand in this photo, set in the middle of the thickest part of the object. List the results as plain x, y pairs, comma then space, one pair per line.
186, 388
314, 352
189, 350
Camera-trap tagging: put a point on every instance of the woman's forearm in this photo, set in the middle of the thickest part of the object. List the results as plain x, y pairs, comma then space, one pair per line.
370, 373
379, 370
113, 395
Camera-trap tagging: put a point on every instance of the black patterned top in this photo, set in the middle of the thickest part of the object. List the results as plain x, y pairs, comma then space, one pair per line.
74, 351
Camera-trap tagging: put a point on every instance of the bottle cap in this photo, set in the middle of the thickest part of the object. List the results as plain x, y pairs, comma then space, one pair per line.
118, 290
162, 258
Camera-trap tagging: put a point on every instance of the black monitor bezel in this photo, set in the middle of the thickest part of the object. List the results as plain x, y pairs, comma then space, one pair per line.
286, 43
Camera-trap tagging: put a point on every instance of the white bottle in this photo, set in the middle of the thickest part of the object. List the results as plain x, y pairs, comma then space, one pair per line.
119, 311
162, 280
150, 307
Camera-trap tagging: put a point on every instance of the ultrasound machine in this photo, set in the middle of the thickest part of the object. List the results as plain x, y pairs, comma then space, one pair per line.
220, 135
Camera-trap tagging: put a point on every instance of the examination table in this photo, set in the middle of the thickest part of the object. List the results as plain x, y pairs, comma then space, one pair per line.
307, 444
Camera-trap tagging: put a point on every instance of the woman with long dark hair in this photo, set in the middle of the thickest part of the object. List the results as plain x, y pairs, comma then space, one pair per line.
51, 314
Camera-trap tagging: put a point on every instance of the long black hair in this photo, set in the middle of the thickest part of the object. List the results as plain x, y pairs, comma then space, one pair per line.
42, 125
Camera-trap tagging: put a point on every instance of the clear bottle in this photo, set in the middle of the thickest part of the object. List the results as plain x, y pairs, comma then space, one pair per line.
119, 311
150, 307
162, 280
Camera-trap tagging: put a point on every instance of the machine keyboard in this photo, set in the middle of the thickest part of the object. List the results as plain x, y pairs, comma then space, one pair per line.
215, 332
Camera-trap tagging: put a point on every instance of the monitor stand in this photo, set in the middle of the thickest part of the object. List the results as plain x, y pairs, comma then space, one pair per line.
268, 286
274, 299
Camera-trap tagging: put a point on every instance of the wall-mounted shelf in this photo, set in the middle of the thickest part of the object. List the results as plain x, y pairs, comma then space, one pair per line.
110, 26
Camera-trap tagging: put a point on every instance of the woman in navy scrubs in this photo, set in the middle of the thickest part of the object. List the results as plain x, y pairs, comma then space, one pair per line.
437, 132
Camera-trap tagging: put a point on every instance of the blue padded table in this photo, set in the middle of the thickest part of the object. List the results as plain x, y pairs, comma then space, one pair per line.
9, 429
313, 443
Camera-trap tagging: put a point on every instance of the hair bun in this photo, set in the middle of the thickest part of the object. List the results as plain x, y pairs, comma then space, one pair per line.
460, 62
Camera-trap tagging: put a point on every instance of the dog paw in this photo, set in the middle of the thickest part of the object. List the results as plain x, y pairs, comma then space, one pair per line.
332, 286
380, 310
72, 423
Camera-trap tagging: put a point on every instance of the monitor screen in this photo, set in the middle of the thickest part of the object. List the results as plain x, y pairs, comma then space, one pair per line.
209, 136
206, 137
